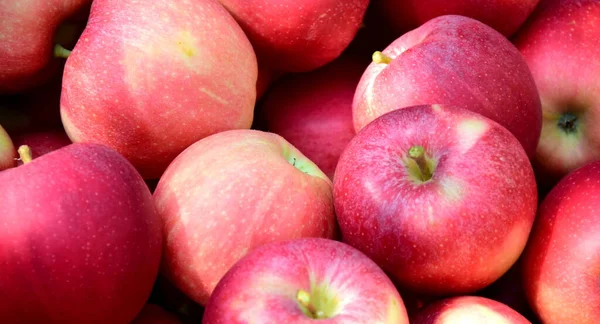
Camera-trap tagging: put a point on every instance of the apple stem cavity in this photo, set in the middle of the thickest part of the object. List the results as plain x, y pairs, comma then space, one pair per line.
417, 154
25, 154
379, 57
568, 123
303, 298
61, 52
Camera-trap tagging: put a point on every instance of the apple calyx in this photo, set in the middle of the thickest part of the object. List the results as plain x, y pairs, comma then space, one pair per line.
25, 154
568, 123
61, 52
419, 164
303, 298
379, 57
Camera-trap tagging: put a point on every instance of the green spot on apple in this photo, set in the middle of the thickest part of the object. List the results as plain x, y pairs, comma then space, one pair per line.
419, 165
302, 163
319, 303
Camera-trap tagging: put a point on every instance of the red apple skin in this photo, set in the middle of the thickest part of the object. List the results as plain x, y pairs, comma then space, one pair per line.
42, 143
262, 287
504, 16
313, 111
230, 193
298, 36
468, 309
27, 34
154, 314
148, 81
81, 239
8, 154
561, 44
454, 234
456, 61
560, 262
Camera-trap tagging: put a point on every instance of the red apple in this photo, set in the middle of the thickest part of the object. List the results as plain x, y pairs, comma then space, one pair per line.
561, 44
230, 193
7, 150
456, 61
313, 111
81, 239
441, 198
468, 309
298, 36
304, 281
154, 314
504, 16
150, 80
42, 143
27, 35
561, 260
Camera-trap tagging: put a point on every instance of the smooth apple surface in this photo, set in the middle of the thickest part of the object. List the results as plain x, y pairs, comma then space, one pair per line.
7, 151
150, 80
505, 16
305, 280
468, 310
457, 61
561, 44
441, 198
81, 239
298, 36
154, 314
561, 260
313, 111
230, 193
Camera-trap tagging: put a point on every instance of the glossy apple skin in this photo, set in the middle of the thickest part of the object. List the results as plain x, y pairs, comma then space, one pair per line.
42, 143
504, 16
298, 36
313, 111
8, 153
468, 309
154, 314
148, 81
454, 234
262, 287
560, 262
27, 33
230, 193
561, 44
81, 239
456, 61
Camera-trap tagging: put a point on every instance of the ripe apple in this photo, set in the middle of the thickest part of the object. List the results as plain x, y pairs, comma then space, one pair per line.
560, 262
305, 280
440, 197
561, 44
41, 143
313, 110
456, 61
154, 314
27, 35
150, 80
468, 309
230, 193
81, 239
298, 36
504, 16
7, 150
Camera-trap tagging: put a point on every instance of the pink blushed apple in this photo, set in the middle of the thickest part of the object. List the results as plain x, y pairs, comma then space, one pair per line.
304, 281
440, 197
458, 61
230, 193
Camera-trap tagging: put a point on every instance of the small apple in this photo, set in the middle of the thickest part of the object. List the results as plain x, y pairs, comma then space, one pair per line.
305, 280
440, 197
8, 154
231, 192
457, 61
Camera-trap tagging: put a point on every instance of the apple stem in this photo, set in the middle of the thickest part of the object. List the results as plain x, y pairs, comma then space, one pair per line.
25, 154
417, 153
379, 57
303, 297
61, 52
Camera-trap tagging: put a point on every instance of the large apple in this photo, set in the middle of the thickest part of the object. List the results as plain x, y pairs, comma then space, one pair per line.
468, 310
230, 193
456, 61
562, 257
561, 44
81, 239
502, 15
7, 150
313, 111
298, 35
305, 280
150, 80
441, 198
27, 31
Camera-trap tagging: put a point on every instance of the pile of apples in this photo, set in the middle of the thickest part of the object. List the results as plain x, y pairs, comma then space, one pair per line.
291, 161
